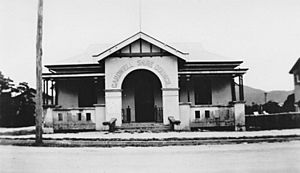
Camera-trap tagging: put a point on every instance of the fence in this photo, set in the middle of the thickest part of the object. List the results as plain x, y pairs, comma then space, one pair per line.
273, 121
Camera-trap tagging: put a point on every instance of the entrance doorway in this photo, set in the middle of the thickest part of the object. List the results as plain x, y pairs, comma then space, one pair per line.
142, 95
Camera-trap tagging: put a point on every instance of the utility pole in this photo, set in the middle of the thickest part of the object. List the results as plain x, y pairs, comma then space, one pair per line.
266, 97
39, 95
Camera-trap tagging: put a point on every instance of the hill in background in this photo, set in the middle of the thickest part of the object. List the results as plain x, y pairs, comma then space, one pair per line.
258, 96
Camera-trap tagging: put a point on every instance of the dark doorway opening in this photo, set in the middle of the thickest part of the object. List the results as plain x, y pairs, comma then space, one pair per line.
146, 94
144, 97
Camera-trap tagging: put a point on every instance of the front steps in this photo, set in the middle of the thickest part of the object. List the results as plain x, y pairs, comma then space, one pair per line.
143, 127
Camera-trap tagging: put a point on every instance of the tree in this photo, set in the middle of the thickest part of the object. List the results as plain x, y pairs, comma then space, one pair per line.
16, 103
6, 110
288, 105
6, 85
250, 109
272, 107
24, 105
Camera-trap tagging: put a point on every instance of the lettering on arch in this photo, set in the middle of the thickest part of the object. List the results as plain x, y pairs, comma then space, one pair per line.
140, 63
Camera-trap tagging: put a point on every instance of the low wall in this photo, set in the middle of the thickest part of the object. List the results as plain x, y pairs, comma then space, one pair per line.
273, 121
74, 119
213, 117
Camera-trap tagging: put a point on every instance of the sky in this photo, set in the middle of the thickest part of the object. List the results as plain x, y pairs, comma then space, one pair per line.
265, 34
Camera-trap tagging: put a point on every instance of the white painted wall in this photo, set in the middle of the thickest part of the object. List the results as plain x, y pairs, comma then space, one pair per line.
165, 68
113, 105
170, 104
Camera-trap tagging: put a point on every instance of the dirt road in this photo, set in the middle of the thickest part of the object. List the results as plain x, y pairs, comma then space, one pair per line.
258, 157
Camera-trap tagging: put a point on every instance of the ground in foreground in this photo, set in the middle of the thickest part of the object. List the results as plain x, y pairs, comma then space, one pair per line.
258, 157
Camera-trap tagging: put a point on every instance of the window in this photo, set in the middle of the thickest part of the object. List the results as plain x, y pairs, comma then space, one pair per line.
79, 116
197, 114
207, 114
202, 87
60, 117
88, 116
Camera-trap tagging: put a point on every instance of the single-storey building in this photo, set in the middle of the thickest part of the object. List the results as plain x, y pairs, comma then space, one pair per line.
295, 71
141, 81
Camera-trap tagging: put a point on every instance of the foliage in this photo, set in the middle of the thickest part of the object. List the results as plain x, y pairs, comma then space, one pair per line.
288, 105
5, 84
17, 106
253, 108
272, 107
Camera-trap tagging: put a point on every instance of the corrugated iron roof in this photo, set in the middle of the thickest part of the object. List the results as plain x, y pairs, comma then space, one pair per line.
192, 51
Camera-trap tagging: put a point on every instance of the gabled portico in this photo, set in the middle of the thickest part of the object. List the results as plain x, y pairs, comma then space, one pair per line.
141, 56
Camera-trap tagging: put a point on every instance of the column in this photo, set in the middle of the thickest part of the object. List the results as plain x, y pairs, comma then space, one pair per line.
43, 95
170, 103
185, 114
188, 87
233, 90
239, 115
113, 104
46, 93
100, 116
56, 93
52, 92
241, 88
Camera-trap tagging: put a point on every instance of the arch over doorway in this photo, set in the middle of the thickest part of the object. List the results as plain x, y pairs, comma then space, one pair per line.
142, 97
124, 74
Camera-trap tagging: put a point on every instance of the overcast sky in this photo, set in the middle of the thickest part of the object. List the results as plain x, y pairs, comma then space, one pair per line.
263, 33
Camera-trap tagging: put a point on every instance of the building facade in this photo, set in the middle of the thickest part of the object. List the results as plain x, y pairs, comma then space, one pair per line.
143, 80
295, 71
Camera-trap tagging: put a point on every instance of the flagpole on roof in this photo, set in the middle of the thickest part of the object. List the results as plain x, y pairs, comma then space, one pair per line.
140, 15
38, 105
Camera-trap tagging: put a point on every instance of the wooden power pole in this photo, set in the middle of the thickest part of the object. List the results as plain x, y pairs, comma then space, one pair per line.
39, 92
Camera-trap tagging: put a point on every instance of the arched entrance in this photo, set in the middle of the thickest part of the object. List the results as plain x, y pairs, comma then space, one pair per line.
141, 97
